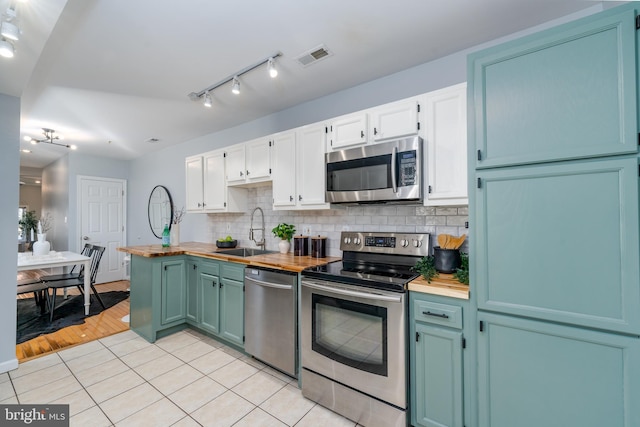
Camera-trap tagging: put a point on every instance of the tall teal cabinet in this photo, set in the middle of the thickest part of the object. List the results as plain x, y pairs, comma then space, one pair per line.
555, 241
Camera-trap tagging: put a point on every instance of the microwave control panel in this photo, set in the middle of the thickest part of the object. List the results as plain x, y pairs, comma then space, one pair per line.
407, 163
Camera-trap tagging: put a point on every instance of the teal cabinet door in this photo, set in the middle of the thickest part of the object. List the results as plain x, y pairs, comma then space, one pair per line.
560, 242
173, 292
232, 310
437, 377
533, 374
210, 302
193, 311
566, 93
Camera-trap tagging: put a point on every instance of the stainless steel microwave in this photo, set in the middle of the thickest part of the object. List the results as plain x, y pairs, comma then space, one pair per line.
389, 172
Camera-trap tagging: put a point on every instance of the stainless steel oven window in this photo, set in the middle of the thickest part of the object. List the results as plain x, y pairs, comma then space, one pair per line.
351, 333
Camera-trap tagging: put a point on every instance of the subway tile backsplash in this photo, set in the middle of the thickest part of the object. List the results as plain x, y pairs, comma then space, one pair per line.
329, 223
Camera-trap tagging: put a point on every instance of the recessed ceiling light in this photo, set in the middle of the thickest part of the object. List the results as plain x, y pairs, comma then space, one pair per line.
37, 181
26, 151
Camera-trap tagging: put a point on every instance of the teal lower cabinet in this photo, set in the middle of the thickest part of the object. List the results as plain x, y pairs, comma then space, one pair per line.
534, 373
193, 298
167, 292
158, 292
436, 351
232, 302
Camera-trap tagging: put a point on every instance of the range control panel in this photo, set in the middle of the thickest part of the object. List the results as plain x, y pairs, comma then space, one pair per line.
415, 244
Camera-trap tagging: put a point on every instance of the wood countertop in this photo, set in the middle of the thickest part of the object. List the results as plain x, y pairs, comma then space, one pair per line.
287, 262
444, 285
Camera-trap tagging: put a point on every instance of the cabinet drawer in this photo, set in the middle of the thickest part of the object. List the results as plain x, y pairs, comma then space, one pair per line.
440, 314
233, 271
210, 267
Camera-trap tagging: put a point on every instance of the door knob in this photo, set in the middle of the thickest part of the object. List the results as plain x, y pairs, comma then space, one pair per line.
85, 238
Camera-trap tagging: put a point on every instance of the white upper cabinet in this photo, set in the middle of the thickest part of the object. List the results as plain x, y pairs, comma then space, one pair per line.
235, 164
298, 169
349, 130
395, 120
446, 146
195, 182
284, 170
207, 190
311, 171
258, 160
249, 162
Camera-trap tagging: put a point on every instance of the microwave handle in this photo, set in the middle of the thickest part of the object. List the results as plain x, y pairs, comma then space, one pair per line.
394, 183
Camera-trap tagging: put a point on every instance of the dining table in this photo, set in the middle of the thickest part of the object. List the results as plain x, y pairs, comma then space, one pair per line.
29, 261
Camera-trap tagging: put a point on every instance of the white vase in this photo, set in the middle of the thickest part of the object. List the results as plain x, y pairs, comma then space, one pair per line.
174, 235
284, 246
41, 246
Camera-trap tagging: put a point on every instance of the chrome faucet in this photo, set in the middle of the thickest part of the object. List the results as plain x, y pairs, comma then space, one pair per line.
262, 242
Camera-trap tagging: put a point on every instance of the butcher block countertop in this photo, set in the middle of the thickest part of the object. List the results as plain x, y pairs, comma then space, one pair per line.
444, 285
287, 262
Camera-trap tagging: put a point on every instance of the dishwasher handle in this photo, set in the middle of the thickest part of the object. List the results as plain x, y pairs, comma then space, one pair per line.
267, 284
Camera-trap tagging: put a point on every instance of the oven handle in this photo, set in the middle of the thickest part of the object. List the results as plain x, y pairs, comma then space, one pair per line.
394, 183
346, 292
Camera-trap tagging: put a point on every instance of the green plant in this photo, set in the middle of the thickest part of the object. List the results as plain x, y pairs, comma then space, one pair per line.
28, 222
284, 231
426, 267
462, 273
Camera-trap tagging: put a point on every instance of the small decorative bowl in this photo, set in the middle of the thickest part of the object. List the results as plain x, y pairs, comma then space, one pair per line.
231, 244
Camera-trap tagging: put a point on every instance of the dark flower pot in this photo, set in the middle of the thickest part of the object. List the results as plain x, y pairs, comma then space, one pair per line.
446, 260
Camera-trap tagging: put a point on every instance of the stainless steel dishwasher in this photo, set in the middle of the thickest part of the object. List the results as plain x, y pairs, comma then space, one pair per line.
270, 317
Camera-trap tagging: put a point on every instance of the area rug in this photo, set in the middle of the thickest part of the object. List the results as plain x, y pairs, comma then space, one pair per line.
68, 312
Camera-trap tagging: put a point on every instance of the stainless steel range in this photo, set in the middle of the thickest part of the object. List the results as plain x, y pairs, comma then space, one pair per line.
354, 326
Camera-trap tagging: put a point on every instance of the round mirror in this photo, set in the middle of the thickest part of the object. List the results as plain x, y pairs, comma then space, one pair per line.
160, 210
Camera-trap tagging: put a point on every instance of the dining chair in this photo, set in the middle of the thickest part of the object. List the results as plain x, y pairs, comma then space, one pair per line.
75, 273
39, 289
96, 255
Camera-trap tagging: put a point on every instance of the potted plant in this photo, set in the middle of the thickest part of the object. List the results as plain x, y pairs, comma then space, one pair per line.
284, 232
28, 224
178, 215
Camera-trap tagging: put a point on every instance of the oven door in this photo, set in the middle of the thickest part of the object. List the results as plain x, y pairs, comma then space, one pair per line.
355, 336
385, 172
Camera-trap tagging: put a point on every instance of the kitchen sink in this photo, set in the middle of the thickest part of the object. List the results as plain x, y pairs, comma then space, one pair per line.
245, 252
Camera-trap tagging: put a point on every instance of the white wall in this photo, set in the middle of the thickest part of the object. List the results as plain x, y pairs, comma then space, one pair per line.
9, 183
31, 196
55, 200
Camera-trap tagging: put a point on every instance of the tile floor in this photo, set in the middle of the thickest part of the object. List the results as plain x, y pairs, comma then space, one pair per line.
185, 379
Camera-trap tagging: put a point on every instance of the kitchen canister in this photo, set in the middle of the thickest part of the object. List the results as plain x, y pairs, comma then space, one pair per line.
319, 247
301, 245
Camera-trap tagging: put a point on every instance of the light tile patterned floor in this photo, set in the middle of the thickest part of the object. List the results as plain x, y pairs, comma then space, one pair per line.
183, 380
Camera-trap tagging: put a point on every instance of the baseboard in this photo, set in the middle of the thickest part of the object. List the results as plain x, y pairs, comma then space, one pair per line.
8, 365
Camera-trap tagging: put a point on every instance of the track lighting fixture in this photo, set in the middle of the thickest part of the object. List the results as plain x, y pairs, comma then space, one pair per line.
273, 71
234, 79
6, 48
207, 100
50, 138
235, 88
10, 31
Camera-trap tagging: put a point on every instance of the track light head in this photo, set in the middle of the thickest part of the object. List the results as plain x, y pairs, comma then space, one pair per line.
235, 88
207, 100
273, 71
6, 48
10, 31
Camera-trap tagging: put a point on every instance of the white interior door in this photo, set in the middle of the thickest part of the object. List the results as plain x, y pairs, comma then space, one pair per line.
101, 217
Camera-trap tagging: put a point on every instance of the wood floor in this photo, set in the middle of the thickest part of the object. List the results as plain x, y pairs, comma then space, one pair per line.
108, 322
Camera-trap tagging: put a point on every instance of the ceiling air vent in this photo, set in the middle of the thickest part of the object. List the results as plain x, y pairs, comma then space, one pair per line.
314, 55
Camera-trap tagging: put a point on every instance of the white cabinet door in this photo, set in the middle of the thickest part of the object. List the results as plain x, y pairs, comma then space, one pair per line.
311, 167
348, 130
395, 120
258, 160
194, 181
446, 146
235, 164
284, 170
214, 181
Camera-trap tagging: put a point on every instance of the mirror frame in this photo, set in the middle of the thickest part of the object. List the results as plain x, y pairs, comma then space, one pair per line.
166, 190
